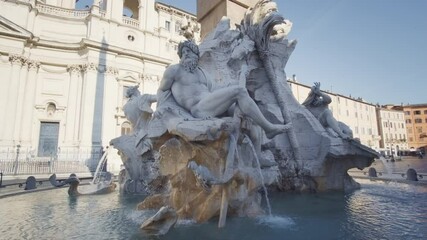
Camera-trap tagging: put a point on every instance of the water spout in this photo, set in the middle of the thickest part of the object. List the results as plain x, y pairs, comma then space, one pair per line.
101, 165
260, 173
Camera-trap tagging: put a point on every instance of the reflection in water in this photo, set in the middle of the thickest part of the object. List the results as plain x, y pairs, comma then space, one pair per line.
72, 202
378, 211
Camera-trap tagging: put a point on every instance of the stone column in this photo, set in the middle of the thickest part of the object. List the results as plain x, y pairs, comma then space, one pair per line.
114, 10
12, 99
141, 15
72, 105
68, 4
29, 102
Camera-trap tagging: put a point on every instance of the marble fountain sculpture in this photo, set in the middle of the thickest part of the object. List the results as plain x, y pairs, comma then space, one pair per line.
227, 126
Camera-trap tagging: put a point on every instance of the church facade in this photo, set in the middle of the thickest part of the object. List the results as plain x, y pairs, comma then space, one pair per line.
65, 70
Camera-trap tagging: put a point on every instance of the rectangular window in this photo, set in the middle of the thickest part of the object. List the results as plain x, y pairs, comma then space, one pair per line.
356, 130
411, 139
417, 112
425, 111
418, 120
408, 121
168, 25
178, 26
407, 113
370, 131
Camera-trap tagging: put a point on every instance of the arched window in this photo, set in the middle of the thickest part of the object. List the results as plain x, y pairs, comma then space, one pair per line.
130, 9
84, 4
126, 128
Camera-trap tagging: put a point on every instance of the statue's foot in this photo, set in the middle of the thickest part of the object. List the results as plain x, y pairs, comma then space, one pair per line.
345, 136
277, 129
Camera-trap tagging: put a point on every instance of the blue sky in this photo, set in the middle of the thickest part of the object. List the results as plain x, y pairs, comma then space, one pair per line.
373, 49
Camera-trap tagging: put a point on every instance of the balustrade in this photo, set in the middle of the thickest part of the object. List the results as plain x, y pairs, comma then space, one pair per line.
63, 12
130, 21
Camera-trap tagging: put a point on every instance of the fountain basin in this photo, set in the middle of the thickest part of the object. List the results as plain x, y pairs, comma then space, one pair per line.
379, 210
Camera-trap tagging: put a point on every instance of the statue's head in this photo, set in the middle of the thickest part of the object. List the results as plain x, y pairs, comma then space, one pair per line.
188, 52
133, 91
313, 100
262, 9
191, 45
265, 15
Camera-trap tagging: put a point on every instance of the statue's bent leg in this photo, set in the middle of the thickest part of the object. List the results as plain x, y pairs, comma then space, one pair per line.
217, 102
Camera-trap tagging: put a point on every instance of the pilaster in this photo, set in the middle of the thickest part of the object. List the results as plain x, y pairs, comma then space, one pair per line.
29, 103
110, 102
87, 104
71, 136
12, 98
20, 101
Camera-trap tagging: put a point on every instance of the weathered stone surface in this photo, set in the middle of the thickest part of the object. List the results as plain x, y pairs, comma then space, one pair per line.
219, 154
161, 222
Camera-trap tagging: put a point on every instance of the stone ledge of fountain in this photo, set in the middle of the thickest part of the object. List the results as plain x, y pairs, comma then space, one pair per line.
9, 190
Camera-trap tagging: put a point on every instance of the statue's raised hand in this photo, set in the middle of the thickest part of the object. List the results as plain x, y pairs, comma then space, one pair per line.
316, 88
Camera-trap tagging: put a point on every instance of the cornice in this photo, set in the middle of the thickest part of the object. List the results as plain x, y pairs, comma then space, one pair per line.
86, 43
174, 10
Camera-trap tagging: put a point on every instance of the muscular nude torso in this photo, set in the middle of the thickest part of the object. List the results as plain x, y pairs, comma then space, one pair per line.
188, 88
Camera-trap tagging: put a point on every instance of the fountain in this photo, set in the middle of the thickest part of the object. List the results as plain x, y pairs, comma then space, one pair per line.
102, 181
227, 125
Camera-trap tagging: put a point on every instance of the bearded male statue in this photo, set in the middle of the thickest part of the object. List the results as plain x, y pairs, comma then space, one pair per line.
189, 87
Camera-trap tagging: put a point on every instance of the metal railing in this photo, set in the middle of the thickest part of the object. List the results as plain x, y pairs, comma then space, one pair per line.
16, 161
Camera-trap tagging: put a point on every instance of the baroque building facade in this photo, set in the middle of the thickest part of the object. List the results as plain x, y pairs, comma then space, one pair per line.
64, 70
392, 126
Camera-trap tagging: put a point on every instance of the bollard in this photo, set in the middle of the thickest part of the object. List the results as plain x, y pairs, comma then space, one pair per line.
1, 179
411, 175
31, 183
372, 172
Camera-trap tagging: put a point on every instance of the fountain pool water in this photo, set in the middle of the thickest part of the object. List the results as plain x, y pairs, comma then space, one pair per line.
377, 211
